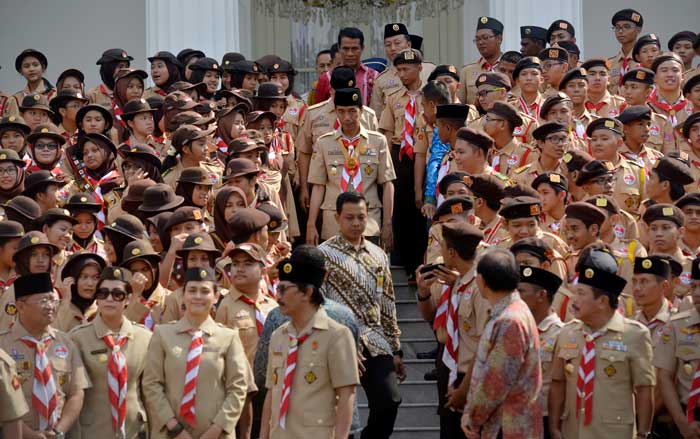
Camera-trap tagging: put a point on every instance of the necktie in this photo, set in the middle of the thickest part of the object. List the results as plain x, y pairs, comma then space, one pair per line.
44, 398
408, 128
194, 356
351, 168
291, 365
259, 316
586, 378
116, 383
693, 395
450, 320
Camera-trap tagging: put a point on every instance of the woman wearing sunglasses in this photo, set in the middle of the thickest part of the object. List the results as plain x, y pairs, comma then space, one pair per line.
113, 350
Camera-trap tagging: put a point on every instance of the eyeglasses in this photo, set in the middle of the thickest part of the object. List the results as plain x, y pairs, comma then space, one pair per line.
485, 38
8, 171
46, 302
556, 139
103, 293
549, 65
603, 180
623, 27
484, 93
489, 118
47, 146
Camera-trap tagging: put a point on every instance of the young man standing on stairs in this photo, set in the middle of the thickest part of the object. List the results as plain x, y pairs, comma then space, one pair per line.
460, 317
359, 277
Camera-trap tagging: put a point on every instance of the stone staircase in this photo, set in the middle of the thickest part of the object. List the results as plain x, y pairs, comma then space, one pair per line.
417, 417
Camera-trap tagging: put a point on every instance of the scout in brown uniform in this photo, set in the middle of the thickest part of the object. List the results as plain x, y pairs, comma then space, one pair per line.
553, 190
691, 90
537, 288
35, 346
79, 276
559, 108
669, 177
104, 344
637, 129
574, 160
459, 295
602, 374
555, 64
454, 208
501, 122
360, 166
320, 119
627, 25
528, 78
283, 73
195, 377
84, 208
532, 40
575, 85
681, 44
12, 403
487, 192
165, 71
31, 64
599, 100
35, 110
552, 142
582, 228
690, 242
110, 62
574, 52
488, 39
11, 233
676, 358
245, 309
13, 135
691, 133
57, 225
667, 97
645, 51
651, 281
65, 106
191, 144
147, 302
560, 30
138, 116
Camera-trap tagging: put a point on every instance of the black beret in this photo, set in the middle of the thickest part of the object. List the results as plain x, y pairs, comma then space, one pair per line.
555, 180
635, 112
444, 70
570, 47
642, 41
554, 53
690, 83
487, 186
694, 271
453, 206
628, 15
575, 73
593, 169
586, 213
342, 77
667, 212
604, 123
528, 62
596, 62
640, 74
605, 203
575, 159
691, 199
408, 56
496, 79
536, 32
200, 274
452, 111
691, 120
666, 56
521, 207
652, 265
560, 25
533, 246
684, 35
542, 278
489, 23
674, 169
547, 128
477, 138
553, 100
33, 283
347, 97
394, 29
306, 265
507, 112
453, 177
599, 270
519, 190
676, 267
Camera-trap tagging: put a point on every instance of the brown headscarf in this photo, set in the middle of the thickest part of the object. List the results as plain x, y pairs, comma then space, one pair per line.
220, 223
17, 189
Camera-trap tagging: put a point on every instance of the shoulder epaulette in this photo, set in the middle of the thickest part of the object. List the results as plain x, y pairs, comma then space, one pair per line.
682, 315
522, 168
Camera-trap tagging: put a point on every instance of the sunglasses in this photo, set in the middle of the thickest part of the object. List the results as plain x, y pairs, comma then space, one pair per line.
46, 146
103, 293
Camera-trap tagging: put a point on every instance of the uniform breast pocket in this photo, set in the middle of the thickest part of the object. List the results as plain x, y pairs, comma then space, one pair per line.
688, 354
614, 365
570, 357
61, 372
315, 371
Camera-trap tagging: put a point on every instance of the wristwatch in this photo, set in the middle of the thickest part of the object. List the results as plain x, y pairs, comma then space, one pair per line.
422, 298
398, 353
175, 432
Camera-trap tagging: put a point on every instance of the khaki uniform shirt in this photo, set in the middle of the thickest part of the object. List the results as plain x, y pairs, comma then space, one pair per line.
661, 135
69, 316
679, 350
320, 119
12, 403
388, 81
523, 132
562, 304
8, 310
472, 316
137, 311
67, 368
645, 158
392, 118
215, 170
95, 417
236, 314
528, 173
13, 104
153, 91
656, 323
694, 168
467, 77
293, 115
326, 361
630, 179
549, 328
97, 97
375, 167
510, 157
612, 106
616, 69
625, 252
494, 232
222, 378
623, 362
172, 307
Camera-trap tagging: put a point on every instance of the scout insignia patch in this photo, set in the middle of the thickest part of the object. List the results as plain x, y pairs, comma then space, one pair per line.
456, 208
61, 379
569, 368
26, 365
102, 358
314, 345
274, 378
15, 382
61, 351
177, 350
610, 371
369, 170
395, 27
287, 268
553, 53
588, 273
688, 369
310, 377
484, 20
467, 326
534, 209
646, 264
10, 309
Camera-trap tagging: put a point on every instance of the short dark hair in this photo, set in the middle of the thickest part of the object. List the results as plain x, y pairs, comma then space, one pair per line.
499, 270
316, 296
512, 56
436, 91
348, 198
677, 190
352, 33
324, 52
333, 51
459, 244
612, 299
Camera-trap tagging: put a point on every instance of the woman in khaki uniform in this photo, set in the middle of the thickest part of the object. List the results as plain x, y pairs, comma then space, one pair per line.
197, 354
165, 71
103, 341
31, 64
110, 61
80, 276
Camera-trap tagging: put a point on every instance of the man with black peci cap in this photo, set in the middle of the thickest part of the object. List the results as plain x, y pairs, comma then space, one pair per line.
488, 39
626, 25
39, 350
636, 121
602, 374
532, 40
600, 102
552, 142
350, 158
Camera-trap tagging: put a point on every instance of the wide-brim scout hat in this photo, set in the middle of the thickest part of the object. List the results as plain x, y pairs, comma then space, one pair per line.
185, 54
238, 167
106, 115
128, 226
14, 123
178, 100
270, 90
39, 179
30, 52
10, 155
278, 223
58, 213
160, 197
206, 64
140, 151
140, 249
46, 131
184, 214
197, 241
71, 73
254, 116
164, 55
196, 175
24, 207
78, 259
247, 221
243, 144
186, 134
98, 138
188, 86
11, 229
283, 66
242, 107
239, 96
255, 252
136, 106
191, 118
83, 202
111, 55
229, 58
245, 66
134, 195
35, 101
123, 74
31, 240
64, 96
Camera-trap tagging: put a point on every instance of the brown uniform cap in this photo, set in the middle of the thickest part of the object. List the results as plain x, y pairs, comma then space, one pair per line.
160, 197
507, 112
521, 207
477, 138
667, 212
184, 214
246, 222
586, 213
240, 166
256, 252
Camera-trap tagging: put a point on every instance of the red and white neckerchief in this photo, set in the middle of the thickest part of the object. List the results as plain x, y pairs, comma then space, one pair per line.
117, 378
351, 175
490, 233
586, 378
259, 316
147, 319
693, 396
92, 248
336, 124
594, 108
671, 109
409, 125
97, 191
624, 67
580, 131
440, 318
531, 110
108, 93
194, 357
27, 159
118, 113
451, 301
34, 167
290, 367
83, 319
160, 91
6, 283
44, 396
443, 170
223, 146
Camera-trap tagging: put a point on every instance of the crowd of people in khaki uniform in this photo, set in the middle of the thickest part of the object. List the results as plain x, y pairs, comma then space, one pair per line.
210, 256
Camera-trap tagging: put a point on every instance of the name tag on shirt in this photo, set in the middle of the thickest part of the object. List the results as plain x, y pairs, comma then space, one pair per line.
615, 345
